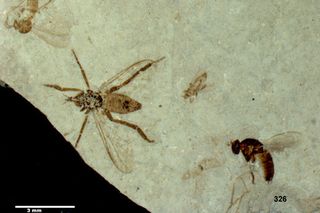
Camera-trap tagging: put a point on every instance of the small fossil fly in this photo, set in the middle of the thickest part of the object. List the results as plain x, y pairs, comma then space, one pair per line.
55, 30
106, 101
252, 148
195, 86
24, 15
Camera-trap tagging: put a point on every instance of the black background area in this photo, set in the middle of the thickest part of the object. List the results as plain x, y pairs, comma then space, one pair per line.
38, 167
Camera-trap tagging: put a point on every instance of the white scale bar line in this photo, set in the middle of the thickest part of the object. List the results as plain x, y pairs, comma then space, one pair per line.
44, 207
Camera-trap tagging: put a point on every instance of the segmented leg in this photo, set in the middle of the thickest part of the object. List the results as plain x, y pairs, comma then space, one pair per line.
252, 177
81, 69
62, 89
133, 126
144, 68
81, 129
239, 199
44, 5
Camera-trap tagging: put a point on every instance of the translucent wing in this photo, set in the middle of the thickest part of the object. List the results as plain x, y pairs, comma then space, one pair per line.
122, 157
48, 23
127, 73
54, 30
12, 13
279, 142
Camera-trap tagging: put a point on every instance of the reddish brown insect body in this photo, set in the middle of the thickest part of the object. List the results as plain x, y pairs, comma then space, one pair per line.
267, 164
121, 104
251, 148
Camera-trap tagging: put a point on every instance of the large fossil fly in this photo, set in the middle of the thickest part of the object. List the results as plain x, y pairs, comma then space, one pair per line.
106, 101
252, 148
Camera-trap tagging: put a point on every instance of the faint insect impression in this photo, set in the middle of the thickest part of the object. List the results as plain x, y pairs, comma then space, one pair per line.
105, 101
242, 191
198, 84
25, 14
54, 31
203, 165
252, 148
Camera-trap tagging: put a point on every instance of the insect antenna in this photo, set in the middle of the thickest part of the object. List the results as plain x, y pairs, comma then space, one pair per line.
81, 69
160, 59
67, 98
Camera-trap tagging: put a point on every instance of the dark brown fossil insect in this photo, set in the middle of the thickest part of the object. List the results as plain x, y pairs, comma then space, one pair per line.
106, 101
252, 148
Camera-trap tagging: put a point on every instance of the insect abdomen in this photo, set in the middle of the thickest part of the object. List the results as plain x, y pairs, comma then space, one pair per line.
121, 104
267, 165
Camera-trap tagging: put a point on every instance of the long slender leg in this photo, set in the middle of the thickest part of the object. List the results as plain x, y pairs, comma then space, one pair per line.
122, 158
144, 68
252, 177
82, 70
239, 199
63, 89
44, 5
251, 167
133, 126
81, 129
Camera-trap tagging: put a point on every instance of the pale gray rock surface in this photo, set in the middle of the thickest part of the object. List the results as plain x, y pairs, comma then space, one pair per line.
262, 61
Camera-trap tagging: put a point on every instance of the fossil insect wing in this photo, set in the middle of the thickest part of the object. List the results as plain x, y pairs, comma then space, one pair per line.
120, 103
279, 142
54, 30
120, 153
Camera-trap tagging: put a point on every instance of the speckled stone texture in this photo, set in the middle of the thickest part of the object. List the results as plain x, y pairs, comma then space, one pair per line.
262, 63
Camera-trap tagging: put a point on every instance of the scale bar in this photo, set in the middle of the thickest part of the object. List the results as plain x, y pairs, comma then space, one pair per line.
45, 207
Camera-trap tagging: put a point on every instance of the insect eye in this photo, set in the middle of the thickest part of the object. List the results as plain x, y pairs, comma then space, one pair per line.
235, 146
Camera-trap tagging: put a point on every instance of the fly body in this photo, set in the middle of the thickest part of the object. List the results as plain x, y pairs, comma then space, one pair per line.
103, 102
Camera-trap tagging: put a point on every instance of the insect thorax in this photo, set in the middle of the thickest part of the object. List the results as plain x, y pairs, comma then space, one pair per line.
87, 100
23, 26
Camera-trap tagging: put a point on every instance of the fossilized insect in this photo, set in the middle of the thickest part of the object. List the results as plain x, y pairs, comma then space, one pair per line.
252, 148
198, 84
104, 102
24, 15
54, 30
203, 165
